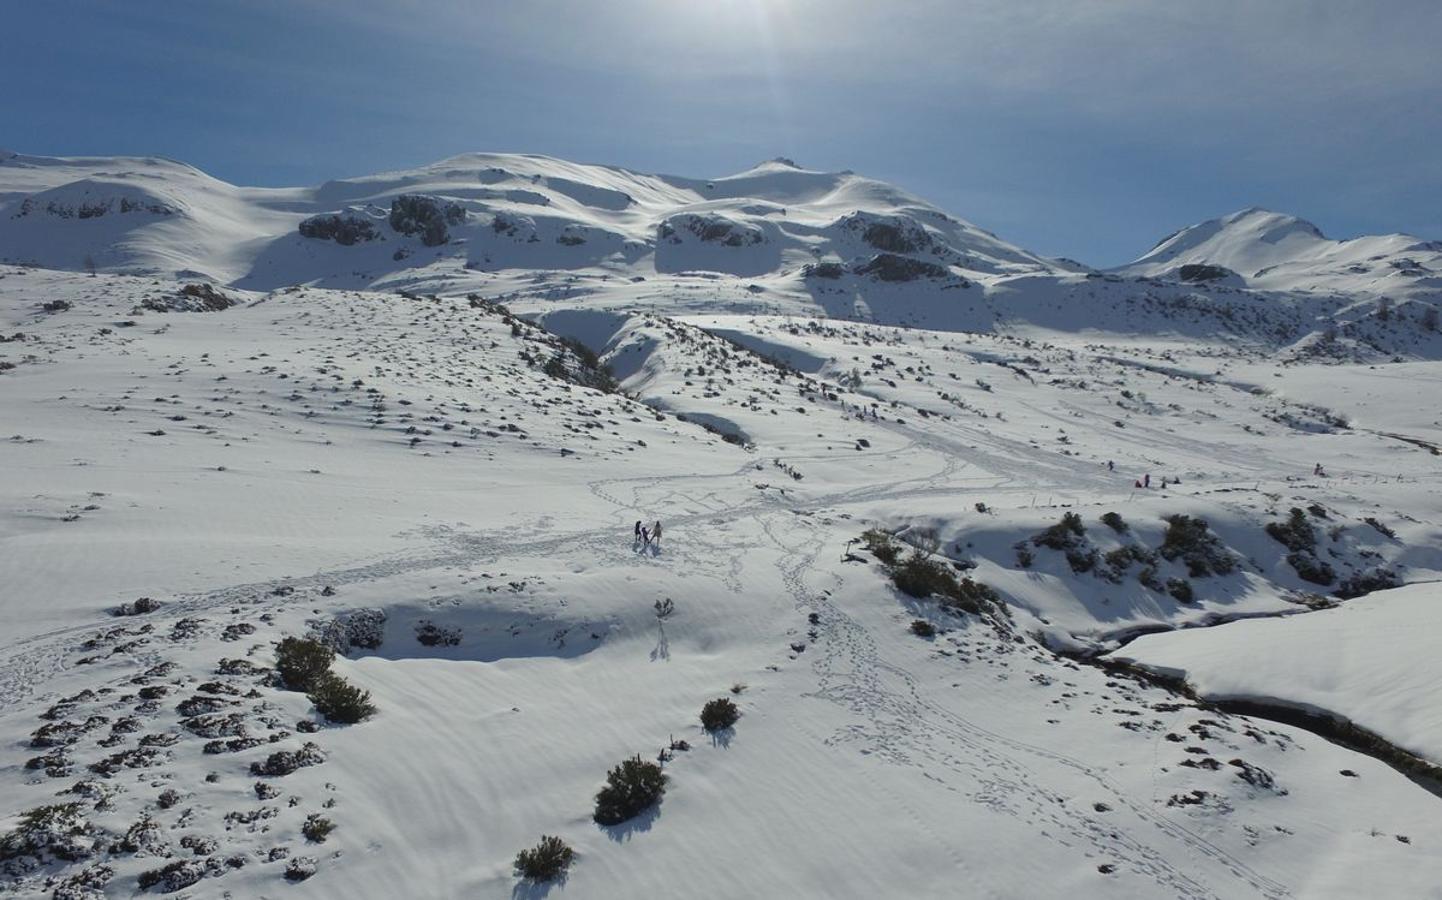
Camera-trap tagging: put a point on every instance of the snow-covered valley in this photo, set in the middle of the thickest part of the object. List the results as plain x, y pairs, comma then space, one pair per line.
281, 413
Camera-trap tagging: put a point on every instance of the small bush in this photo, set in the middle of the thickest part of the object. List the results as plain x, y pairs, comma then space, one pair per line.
1115, 522
1024, 556
923, 628
1365, 583
1296, 534
1064, 534
546, 861
317, 828
1148, 578
1190, 540
432, 635
631, 788
340, 701
1309, 568
921, 577
880, 545
1180, 589
302, 661
1381, 529
718, 715
1081, 560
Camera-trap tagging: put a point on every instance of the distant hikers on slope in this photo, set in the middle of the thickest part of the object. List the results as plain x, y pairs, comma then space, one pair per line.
647, 537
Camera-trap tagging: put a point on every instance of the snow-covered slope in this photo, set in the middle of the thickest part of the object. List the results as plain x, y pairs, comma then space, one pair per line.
1277, 252
1368, 661
439, 485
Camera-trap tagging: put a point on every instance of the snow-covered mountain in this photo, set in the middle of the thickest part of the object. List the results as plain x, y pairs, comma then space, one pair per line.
1277, 252
488, 211
544, 233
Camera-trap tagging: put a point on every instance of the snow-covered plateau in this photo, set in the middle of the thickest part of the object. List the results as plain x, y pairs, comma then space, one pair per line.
983, 546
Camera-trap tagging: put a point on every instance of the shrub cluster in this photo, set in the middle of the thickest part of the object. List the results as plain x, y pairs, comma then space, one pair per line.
1115, 522
880, 545
631, 788
1190, 540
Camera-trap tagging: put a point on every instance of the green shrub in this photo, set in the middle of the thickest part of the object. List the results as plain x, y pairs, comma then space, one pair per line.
1296, 534
546, 861
923, 628
1024, 556
1190, 540
317, 828
1365, 583
1064, 534
1180, 589
301, 661
340, 701
880, 545
921, 577
1309, 568
630, 789
1115, 522
718, 715
1081, 560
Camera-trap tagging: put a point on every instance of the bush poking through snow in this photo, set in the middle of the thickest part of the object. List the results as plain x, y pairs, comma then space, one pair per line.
1063, 535
880, 545
1115, 522
922, 628
302, 661
317, 828
1180, 589
718, 715
432, 635
340, 701
922, 577
1309, 568
58, 831
173, 877
1296, 534
546, 861
283, 762
1190, 540
631, 788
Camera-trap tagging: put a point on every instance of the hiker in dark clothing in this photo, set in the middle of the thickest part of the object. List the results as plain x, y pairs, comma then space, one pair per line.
645, 537
656, 532
638, 529
1147, 480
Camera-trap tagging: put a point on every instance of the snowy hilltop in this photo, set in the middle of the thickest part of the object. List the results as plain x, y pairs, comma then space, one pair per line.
774, 239
515, 528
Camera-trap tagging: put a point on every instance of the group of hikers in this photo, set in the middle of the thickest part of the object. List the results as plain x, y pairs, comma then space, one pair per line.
648, 536
1146, 480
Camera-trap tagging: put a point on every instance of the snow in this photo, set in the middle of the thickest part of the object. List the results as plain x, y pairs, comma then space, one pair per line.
1367, 661
413, 436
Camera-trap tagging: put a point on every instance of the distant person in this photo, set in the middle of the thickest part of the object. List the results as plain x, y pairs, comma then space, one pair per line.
645, 537
1147, 480
638, 529
1111, 466
656, 533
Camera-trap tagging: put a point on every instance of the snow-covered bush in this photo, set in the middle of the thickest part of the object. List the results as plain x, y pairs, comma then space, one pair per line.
631, 788
923, 628
1296, 534
363, 628
432, 635
59, 831
283, 762
317, 828
1115, 522
546, 861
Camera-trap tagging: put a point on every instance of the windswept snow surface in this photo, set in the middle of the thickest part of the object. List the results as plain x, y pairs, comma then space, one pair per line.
274, 435
1367, 661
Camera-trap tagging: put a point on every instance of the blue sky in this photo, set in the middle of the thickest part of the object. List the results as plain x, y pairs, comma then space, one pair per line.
1081, 128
